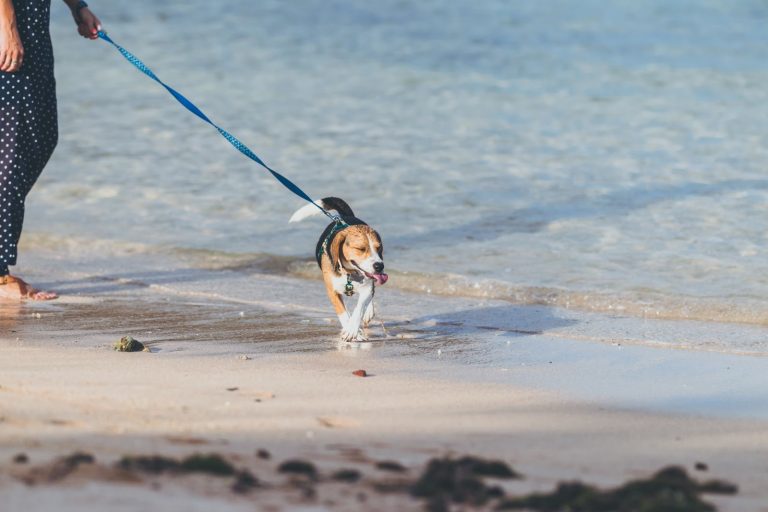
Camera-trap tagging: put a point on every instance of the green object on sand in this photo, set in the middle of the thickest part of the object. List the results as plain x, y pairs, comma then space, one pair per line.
129, 344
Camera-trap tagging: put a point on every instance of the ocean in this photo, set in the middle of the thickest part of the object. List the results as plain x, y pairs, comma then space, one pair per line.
604, 157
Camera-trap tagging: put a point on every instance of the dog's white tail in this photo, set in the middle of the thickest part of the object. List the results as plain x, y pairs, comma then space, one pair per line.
307, 211
332, 205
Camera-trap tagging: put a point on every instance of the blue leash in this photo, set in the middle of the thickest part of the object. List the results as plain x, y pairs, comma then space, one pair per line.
199, 113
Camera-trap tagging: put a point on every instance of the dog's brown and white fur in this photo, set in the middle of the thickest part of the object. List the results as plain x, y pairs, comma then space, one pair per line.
350, 253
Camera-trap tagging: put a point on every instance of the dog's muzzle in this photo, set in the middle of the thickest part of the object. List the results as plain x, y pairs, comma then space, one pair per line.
377, 275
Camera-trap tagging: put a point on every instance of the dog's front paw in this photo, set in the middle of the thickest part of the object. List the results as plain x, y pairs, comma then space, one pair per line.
353, 335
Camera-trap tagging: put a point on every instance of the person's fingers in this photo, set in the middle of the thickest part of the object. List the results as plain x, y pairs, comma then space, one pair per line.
6, 56
95, 27
86, 30
89, 32
11, 54
17, 60
12, 61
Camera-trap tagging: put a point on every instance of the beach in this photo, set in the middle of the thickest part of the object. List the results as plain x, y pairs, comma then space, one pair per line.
231, 372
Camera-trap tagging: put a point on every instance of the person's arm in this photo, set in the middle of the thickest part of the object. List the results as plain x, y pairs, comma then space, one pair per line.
11, 49
88, 25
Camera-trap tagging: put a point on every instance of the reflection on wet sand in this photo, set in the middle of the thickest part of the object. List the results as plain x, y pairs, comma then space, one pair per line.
9, 315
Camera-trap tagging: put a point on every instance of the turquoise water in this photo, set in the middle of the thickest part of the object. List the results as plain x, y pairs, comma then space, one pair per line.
591, 155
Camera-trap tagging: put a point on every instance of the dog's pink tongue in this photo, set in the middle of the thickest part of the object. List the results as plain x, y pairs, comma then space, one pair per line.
380, 278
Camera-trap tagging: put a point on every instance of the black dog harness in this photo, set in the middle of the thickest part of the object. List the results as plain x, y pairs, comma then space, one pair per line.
325, 241
330, 233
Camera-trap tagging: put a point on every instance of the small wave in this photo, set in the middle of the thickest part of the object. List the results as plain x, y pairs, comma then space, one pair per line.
642, 304
639, 304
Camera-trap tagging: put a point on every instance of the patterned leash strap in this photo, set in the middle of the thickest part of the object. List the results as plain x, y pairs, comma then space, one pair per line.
199, 113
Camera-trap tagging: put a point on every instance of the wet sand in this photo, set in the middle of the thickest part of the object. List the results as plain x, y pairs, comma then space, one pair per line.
233, 370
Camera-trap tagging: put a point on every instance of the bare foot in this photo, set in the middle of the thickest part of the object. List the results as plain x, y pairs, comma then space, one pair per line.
17, 289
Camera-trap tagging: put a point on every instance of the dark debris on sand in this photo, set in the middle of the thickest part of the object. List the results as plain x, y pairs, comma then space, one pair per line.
460, 481
154, 464
299, 468
445, 484
209, 464
212, 464
669, 490
390, 465
347, 475
129, 344
58, 470
244, 482
66, 465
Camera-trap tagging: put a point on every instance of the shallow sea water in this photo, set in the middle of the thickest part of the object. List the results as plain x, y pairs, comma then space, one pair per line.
605, 157
235, 312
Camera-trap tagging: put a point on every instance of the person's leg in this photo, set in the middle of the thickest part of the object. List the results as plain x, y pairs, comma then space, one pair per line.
12, 182
40, 132
19, 168
37, 137
28, 135
21, 162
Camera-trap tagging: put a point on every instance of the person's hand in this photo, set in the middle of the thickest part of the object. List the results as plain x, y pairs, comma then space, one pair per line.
11, 50
88, 25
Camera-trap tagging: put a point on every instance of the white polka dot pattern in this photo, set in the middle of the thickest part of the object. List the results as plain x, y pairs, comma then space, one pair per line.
28, 122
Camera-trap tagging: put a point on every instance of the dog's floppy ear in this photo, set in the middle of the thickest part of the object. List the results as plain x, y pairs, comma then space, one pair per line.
381, 244
335, 249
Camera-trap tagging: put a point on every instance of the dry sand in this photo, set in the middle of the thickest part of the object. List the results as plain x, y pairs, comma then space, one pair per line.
56, 401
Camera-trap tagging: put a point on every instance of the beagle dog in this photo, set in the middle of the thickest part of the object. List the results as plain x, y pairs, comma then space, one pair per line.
350, 255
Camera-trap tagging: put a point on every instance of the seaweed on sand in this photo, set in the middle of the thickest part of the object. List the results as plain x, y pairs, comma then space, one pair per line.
66, 465
210, 464
347, 475
669, 490
299, 467
129, 344
148, 464
460, 481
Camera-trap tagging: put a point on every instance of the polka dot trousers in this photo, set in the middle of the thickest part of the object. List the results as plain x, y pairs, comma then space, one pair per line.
28, 123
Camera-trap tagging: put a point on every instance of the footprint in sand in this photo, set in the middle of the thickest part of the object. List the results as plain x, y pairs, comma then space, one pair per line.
257, 396
336, 422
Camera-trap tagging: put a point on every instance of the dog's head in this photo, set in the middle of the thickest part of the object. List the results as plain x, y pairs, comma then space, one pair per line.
359, 248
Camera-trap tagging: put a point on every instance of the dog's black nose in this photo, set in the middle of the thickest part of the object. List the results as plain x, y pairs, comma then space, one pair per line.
378, 267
